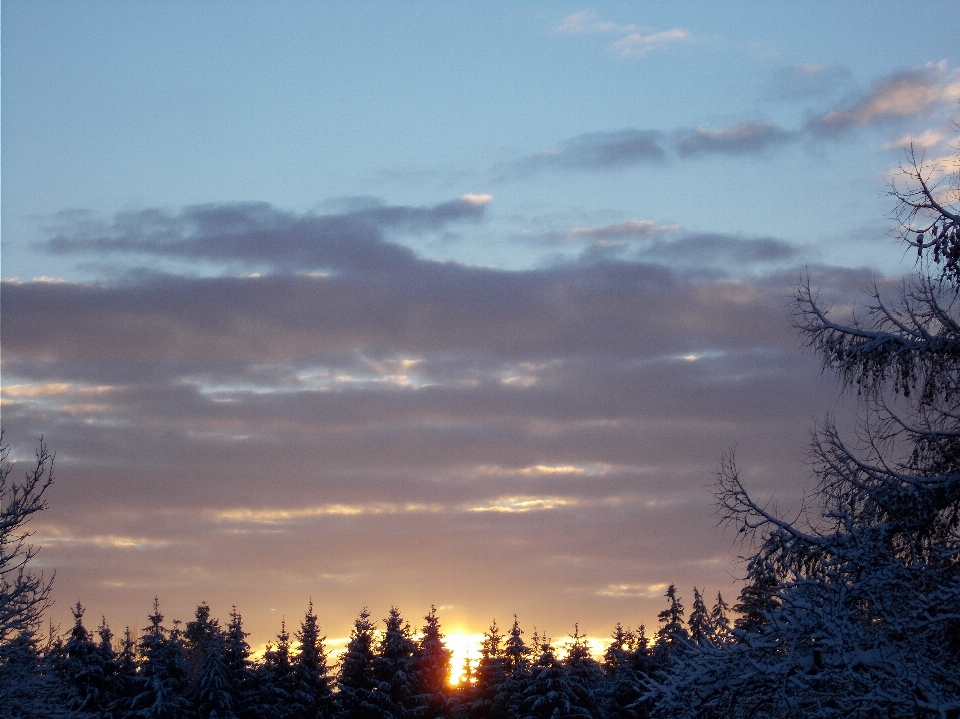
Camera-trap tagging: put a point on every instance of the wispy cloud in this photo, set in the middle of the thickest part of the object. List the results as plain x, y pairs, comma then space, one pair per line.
907, 94
586, 21
636, 41
638, 44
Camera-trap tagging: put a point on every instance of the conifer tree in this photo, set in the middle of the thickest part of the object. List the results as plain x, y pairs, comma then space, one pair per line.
549, 694
490, 677
199, 635
640, 658
394, 670
27, 688
311, 695
672, 637
213, 693
80, 670
583, 672
236, 656
699, 624
276, 678
433, 666
355, 681
621, 684
161, 681
718, 617
125, 678
758, 597
108, 665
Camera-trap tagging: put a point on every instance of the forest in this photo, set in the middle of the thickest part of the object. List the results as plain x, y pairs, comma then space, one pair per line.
850, 610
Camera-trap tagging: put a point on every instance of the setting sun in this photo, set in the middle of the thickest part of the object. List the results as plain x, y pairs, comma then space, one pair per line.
464, 646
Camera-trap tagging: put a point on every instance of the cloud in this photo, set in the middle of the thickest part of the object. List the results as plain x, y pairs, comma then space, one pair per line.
907, 94
257, 234
585, 21
636, 41
637, 44
599, 151
740, 139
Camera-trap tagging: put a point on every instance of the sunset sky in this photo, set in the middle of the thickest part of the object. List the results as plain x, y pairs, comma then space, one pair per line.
443, 303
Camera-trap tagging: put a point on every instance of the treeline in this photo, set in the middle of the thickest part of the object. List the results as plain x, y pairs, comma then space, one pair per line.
204, 669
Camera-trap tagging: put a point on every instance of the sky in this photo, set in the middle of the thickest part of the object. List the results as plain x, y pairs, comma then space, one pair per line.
452, 304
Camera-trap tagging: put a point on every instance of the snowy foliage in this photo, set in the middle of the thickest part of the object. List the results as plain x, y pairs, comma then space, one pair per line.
855, 610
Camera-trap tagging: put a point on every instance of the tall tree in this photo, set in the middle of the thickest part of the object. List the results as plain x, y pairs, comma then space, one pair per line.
276, 678
81, 670
672, 637
584, 674
621, 682
355, 681
699, 624
311, 695
488, 696
161, 681
718, 616
236, 656
549, 694
394, 670
859, 613
433, 666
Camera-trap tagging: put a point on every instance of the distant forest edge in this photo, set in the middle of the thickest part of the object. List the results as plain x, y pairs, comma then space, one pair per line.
850, 610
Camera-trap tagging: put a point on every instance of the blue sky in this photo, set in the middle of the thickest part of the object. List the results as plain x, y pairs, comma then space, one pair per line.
434, 285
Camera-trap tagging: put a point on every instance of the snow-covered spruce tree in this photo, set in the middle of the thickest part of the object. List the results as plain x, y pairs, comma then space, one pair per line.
621, 685
212, 693
275, 679
550, 694
105, 657
857, 606
516, 670
125, 676
355, 681
394, 671
699, 624
488, 697
432, 662
311, 694
236, 655
584, 673
718, 617
161, 681
672, 637
84, 669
